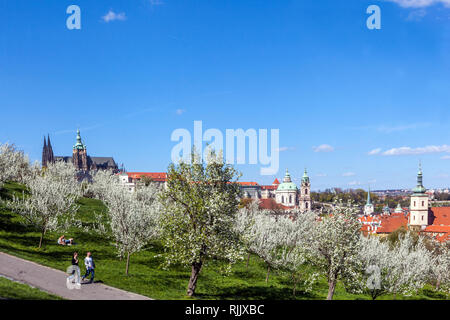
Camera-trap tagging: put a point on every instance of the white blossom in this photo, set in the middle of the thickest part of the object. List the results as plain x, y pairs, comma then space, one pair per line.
50, 202
14, 165
401, 268
132, 216
200, 205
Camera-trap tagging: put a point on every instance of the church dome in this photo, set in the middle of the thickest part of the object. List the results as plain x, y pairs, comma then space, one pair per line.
305, 177
419, 189
287, 184
79, 144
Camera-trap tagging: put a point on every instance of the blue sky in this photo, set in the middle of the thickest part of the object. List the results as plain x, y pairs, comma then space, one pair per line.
137, 70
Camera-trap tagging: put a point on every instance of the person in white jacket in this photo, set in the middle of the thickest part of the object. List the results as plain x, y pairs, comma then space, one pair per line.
90, 266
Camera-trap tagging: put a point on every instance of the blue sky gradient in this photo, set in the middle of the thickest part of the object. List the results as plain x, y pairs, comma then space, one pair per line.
309, 68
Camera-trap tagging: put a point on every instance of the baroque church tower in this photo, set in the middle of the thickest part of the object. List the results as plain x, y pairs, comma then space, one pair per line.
80, 154
305, 193
419, 204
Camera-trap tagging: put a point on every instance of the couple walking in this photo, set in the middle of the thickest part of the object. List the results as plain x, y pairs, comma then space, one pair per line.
88, 263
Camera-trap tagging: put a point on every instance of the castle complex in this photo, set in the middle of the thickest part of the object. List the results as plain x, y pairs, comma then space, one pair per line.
80, 159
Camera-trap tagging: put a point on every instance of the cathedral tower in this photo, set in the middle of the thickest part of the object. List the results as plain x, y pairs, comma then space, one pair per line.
419, 203
51, 156
47, 152
80, 154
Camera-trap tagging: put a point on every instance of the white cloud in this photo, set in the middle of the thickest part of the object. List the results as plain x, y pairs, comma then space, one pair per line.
349, 174
374, 151
321, 175
112, 16
285, 149
415, 151
417, 15
445, 157
323, 148
180, 111
419, 3
372, 181
354, 183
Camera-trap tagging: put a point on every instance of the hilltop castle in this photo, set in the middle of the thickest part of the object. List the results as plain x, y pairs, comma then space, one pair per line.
80, 159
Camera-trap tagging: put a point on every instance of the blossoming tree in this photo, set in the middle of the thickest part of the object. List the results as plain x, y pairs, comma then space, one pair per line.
14, 164
132, 216
51, 199
200, 205
335, 245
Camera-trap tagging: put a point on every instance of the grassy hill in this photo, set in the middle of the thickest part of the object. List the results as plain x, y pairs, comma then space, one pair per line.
146, 275
19, 291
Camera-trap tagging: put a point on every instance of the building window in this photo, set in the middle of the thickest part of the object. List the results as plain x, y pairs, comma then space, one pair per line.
282, 199
290, 199
423, 203
422, 218
306, 191
414, 203
414, 218
306, 205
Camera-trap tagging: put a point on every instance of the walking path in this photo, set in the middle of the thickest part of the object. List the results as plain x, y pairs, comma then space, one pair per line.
54, 281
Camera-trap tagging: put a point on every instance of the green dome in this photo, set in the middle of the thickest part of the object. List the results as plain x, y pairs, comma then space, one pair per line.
305, 177
287, 184
419, 189
79, 145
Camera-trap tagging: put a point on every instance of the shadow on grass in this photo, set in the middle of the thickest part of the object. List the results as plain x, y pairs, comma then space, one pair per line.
256, 293
7, 224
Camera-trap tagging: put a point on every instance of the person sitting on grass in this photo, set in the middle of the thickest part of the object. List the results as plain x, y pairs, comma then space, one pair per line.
62, 241
90, 266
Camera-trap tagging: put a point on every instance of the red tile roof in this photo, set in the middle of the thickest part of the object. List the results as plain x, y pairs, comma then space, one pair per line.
437, 229
252, 184
156, 176
440, 216
391, 223
439, 223
276, 181
269, 187
271, 204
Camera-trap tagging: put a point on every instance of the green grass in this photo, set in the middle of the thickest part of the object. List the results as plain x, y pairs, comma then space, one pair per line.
19, 291
146, 275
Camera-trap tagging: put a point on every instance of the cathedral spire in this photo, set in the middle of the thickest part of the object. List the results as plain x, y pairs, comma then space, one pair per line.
44, 153
50, 157
369, 201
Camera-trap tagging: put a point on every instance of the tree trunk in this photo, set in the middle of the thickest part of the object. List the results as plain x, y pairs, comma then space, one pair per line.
331, 287
248, 260
128, 263
438, 283
268, 272
196, 268
41, 240
295, 284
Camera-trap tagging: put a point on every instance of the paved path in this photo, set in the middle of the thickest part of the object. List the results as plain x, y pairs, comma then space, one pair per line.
54, 281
